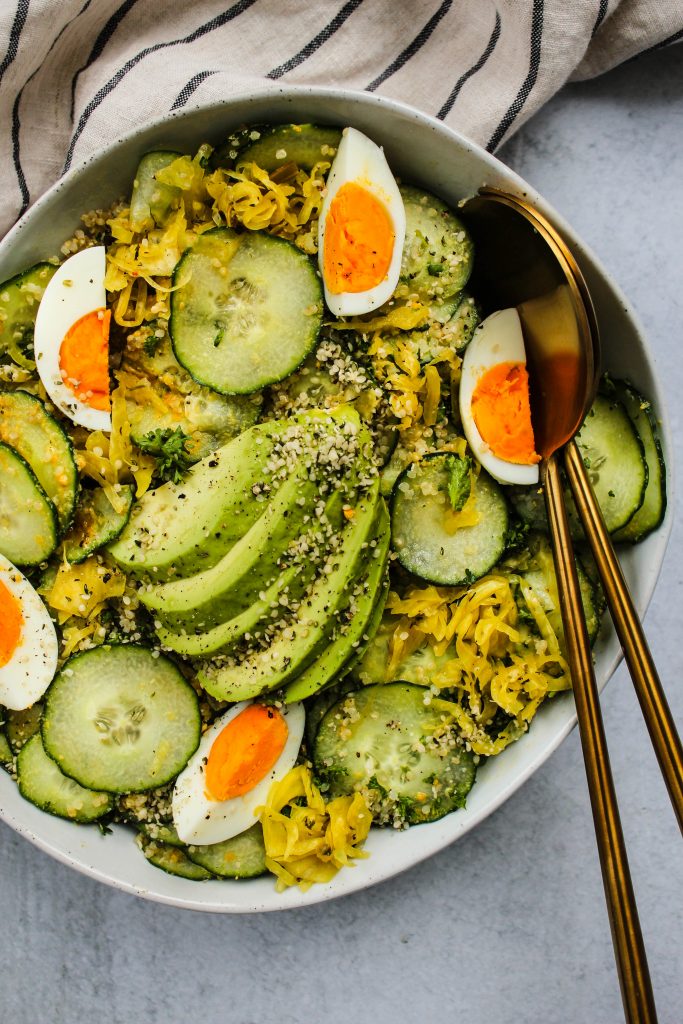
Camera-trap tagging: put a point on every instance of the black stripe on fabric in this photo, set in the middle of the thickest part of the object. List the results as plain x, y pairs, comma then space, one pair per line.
317, 41
602, 13
216, 22
103, 37
658, 46
190, 88
14, 35
530, 80
410, 51
490, 47
16, 122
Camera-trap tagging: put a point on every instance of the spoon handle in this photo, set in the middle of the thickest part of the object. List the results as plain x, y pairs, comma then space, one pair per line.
653, 703
634, 977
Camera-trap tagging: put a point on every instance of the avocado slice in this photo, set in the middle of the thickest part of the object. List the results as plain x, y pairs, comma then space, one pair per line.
291, 651
222, 637
232, 584
332, 660
189, 526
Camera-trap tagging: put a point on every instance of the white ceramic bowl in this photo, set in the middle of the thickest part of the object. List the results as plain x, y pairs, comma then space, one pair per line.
423, 151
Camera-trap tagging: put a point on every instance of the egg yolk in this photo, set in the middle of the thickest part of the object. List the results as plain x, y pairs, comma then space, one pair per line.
502, 413
11, 622
84, 359
244, 751
359, 241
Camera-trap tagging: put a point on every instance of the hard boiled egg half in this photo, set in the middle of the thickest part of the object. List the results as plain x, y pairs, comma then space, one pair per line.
494, 400
28, 642
361, 229
228, 777
71, 340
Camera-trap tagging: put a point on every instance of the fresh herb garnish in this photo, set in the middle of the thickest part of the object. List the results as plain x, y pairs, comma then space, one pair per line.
169, 448
459, 480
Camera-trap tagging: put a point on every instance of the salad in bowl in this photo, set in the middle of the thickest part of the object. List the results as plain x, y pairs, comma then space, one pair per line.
274, 565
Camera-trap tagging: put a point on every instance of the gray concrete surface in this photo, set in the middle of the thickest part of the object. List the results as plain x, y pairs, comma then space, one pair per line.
509, 925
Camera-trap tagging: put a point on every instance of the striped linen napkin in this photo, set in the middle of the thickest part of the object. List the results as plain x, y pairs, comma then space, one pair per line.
77, 73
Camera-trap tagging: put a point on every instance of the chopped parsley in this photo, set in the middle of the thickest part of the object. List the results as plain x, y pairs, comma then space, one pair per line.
169, 448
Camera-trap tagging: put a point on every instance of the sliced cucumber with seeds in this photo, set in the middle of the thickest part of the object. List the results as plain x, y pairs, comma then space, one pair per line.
120, 719
160, 832
246, 310
6, 754
41, 782
302, 144
650, 514
405, 754
419, 667
437, 253
28, 520
421, 537
19, 301
152, 201
243, 856
22, 725
613, 454
96, 523
172, 860
331, 660
27, 426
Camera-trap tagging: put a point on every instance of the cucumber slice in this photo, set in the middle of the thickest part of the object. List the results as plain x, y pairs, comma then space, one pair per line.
243, 856
613, 454
160, 832
96, 523
420, 538
318, 706
28, 520
6, 755
120, 719
437, 252
19, 301
455, 332
418, 667
298, 644
544, 584
386, 741
41, 782
27, 426
529, 504
302, 144
172, 860
246, 310
152, 201
22, 725
332, 659
651, 513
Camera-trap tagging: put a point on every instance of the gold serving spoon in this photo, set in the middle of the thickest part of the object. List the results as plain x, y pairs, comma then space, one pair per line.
522, 261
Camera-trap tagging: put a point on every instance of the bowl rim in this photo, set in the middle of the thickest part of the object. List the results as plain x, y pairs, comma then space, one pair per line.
436, 839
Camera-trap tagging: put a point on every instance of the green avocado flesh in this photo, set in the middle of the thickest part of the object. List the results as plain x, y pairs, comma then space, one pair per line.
268, 562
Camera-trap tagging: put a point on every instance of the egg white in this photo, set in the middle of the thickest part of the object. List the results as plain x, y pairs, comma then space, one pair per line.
362, 161
76, 289
203, 821
498, 339
27, 675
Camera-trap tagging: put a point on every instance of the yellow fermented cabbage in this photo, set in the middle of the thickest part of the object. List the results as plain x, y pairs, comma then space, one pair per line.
308, 840
497, 663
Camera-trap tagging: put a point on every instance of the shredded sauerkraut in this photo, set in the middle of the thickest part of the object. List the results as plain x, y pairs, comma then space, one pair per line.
499, 661
308, 840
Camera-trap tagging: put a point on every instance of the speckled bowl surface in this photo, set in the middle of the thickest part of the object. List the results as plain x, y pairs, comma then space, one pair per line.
420, 150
